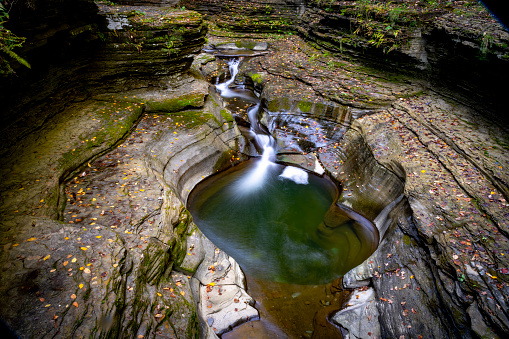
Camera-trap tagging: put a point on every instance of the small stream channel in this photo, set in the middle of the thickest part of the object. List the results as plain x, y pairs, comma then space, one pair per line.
283, 225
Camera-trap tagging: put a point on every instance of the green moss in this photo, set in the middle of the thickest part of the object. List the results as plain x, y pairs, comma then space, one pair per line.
257, 78
116, 119
171, 105
279, 104
190, 119
305, 106
227, 116
192, 327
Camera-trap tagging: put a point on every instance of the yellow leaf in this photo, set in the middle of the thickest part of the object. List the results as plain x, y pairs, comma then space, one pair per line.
15, 245
159, 294
46, 257
142, 190
98, 236
212, 284
183, 293
47, 305
66, 238
31, 239
80, 286
84, 248
42, 200
89, 165
81, 268
74, 260
423, 171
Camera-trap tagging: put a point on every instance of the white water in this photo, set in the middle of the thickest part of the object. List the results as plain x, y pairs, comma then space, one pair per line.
297, 175
256, 178
224, 88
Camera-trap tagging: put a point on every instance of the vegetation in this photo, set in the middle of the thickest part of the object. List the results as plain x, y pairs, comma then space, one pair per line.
8, 42
387, 24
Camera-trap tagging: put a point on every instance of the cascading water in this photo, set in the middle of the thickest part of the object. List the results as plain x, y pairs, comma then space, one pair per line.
224, 88
279, 222
255, 178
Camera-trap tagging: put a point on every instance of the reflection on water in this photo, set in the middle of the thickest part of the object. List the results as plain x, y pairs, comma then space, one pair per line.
281, 229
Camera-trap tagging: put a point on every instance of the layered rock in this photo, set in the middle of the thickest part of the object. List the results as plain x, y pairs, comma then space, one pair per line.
86, 258
263, 16
429, 172
432, 41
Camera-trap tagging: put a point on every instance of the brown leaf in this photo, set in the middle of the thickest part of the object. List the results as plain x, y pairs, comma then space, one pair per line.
75, 304
73, 296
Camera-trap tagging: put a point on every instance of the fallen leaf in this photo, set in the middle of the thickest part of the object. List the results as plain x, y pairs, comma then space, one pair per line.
86, 270
84, 248
65, 263
31, 239
80, 286
46, 257
75, 304
73, 296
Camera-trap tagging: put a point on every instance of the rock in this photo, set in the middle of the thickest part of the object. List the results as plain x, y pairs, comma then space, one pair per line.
478, 324
360, 317
219, 293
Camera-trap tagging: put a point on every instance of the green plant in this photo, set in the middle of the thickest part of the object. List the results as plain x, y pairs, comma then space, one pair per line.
486, 42
8, 42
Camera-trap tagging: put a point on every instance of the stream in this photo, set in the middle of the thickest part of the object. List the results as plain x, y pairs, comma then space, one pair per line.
284, 227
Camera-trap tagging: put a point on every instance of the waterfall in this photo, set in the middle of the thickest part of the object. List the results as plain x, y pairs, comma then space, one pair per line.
224, 88
255, 178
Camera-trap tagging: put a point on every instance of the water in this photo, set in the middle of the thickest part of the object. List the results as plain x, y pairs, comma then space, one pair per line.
280, 223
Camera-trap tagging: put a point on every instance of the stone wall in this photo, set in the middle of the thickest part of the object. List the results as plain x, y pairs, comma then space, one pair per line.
458, 49
78, 50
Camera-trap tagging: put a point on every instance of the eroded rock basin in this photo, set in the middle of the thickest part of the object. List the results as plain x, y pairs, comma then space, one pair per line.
282, 228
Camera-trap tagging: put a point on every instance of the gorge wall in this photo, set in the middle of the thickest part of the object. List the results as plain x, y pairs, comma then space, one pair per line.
105, 136
435, 42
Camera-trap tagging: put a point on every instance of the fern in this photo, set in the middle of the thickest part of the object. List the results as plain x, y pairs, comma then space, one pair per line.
8, 42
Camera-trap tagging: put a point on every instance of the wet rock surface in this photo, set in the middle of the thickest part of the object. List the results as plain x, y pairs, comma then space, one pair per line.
96, 240
420, 166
